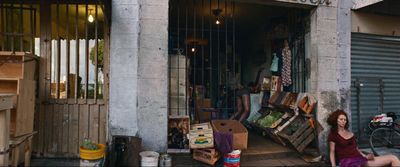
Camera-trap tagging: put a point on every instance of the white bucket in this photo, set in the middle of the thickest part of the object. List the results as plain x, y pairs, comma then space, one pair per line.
149, 158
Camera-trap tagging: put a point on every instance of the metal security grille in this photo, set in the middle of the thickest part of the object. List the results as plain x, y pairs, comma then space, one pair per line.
77, 44
17, 27
375, 74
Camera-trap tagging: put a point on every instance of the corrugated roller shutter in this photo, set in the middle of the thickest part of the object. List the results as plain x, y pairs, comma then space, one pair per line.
375, 64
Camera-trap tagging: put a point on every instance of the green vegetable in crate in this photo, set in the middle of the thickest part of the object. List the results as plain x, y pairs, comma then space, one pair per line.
268, 120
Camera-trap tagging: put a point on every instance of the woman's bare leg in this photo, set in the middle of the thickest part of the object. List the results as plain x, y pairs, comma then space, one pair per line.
239, 107
384, 161
246, 107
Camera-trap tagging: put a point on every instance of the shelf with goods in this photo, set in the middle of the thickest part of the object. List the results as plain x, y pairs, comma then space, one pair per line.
286, 123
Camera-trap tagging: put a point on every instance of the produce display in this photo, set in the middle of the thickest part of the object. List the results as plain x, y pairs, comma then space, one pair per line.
268, 120
293, 127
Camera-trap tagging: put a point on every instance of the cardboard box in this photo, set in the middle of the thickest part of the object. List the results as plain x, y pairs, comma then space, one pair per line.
201, 136
240, 133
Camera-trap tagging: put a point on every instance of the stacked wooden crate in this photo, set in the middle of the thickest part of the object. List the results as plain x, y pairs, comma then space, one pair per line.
17, 76
5, 106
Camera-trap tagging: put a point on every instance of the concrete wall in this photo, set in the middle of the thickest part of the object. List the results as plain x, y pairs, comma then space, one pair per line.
375, 24
138, 71
124, 52
330, 62
153, 75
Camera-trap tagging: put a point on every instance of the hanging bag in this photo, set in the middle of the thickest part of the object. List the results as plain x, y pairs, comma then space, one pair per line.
274, 64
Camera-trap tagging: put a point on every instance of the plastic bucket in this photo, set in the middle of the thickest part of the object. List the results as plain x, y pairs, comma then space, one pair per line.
149, 158
232, 159
92, 154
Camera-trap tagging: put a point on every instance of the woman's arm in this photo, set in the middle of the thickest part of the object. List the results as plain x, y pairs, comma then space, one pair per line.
368, 157
332, 153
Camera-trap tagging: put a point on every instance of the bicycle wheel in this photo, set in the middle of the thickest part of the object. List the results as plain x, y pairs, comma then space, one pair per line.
385, 140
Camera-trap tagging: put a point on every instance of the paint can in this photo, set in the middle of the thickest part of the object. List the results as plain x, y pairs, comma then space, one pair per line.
165, 160
149, 158
232, 159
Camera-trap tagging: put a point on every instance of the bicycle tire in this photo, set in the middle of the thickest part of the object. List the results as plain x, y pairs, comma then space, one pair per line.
385, 140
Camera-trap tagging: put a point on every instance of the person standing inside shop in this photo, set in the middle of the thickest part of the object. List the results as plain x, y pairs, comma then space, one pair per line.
242, 103
343, 144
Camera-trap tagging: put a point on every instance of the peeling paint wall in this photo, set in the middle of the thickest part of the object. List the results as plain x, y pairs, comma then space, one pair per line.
330, 62
123, 67
138, 71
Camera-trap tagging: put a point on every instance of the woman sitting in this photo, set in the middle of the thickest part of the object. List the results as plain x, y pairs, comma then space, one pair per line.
343, 144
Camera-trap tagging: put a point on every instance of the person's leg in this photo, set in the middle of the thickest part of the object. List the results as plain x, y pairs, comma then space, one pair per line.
239, 107
384, 161
246, 107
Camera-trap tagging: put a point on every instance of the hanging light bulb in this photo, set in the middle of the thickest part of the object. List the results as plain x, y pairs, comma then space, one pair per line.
193, 49
90, 17
217, 22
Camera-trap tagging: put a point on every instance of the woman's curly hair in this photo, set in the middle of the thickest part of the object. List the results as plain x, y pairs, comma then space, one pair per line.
333, 117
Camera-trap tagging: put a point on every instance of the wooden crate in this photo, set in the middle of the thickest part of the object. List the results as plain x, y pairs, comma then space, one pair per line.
208, 156
21, 150
201, 136
5, 106
17, 74
299, 134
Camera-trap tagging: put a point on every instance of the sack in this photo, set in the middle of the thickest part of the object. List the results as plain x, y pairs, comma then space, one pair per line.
274, 64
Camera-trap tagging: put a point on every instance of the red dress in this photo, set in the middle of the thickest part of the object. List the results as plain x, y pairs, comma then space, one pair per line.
346, 150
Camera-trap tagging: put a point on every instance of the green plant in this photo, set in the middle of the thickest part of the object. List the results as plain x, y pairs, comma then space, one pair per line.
89, 145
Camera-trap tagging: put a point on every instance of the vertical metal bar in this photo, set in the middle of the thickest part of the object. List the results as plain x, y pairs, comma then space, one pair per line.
211, 50
186, 55
218, 58
202, 46
67, 62
233, 52
226, 57
76, 51
179, 11
194, 55
178, 64
34, 30
58, 50
3, 36
96, 74
21, 27
32, 44
358, 84
86, 52
12, 28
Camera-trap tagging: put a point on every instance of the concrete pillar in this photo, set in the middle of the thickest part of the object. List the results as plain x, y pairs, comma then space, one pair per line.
124, 51
139, 71
152, 104
325, 78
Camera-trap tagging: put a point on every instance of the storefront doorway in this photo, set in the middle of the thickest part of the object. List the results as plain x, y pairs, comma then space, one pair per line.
216, 45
